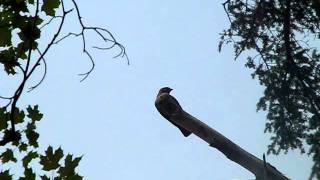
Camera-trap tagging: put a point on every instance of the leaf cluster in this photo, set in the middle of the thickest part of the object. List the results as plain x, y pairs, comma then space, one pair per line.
16, 16
21, 25
55, 165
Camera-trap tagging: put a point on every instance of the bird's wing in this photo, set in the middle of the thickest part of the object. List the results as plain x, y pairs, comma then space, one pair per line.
167, 105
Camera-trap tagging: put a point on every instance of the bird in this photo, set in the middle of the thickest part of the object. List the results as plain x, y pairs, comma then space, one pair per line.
168, 105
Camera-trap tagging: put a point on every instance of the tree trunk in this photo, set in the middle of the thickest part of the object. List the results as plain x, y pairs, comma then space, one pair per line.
261, 169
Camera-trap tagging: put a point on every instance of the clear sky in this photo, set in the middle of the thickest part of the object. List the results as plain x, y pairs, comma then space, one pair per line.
110, 118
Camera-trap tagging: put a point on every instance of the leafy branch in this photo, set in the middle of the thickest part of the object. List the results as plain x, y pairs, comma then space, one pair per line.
29, 44
18, 126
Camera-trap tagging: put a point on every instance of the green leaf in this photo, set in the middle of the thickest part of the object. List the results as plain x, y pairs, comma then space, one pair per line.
26, 160
23, 146
13, 136
5, 38
7, 156
19, 6
9, 60
28, 175
34, 114
49, 7
32, 137
6, 17
22, 48
50, 160
76, 177
72, 177
3, 119
19, 21
31, 1
29, 32
18, 116
44, 177
39, 20
68, 170
5, 175
31, 126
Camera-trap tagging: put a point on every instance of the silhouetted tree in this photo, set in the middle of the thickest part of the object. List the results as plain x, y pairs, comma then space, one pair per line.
284, 34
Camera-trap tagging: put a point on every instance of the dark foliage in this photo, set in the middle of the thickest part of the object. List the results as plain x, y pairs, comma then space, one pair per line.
284, 35
21, 25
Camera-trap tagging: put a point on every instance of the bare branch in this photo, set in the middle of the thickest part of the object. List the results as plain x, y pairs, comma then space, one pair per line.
66, 36
13, 134
44, 74
216, 140
106, 39
49, 22
30, 67
20, 88
225, 9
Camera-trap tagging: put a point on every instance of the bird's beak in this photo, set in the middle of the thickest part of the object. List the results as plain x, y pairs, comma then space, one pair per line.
170, 89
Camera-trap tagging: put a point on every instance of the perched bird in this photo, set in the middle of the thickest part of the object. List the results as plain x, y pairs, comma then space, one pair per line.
168, 105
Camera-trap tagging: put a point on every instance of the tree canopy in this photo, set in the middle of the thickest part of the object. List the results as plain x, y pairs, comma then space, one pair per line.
284, 35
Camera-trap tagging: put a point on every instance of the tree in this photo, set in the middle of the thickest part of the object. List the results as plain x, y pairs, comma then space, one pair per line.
284, 35
21, 26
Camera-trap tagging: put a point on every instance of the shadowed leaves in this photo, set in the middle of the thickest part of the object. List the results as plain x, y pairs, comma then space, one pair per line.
7, 156
28, 158
50, 161
34, 114
49, 6
5, 38
282, 35
68, 170
5, 175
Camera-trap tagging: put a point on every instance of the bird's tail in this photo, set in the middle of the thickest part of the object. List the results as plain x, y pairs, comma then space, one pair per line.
185, 132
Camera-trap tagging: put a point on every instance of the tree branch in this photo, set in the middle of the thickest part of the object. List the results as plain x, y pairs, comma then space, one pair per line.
12, 135
261, 169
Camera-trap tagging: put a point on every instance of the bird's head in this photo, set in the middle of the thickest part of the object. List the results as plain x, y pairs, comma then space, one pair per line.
165, 90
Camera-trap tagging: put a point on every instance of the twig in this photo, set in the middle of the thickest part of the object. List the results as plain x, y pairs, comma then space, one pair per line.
44, 74
97, 30
225, 9
47, 23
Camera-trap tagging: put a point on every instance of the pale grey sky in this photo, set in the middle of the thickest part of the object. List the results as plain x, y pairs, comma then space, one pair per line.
110, 118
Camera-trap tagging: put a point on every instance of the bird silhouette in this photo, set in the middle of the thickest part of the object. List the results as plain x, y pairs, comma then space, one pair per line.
167, 105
